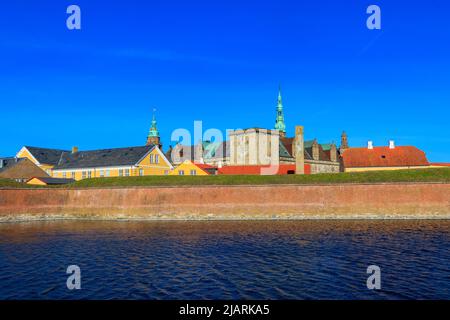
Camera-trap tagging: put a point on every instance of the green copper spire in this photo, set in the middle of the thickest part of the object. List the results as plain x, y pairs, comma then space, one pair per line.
153, 134
279, 122
153, 129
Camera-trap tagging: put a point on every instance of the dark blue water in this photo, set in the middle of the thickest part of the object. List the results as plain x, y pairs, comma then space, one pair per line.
226, 260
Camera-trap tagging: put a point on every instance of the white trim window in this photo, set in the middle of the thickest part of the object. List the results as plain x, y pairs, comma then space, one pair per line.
72, 174
151, 159
193, 172
181, 172
107, 172
156, 158
120, 172
64, 175
89, 174
127, 172
102, 173
83, 175
141, 172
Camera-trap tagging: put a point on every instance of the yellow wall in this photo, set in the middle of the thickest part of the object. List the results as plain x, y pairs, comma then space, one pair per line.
362, 169
187, 166
162, 167
36, 182
25, 154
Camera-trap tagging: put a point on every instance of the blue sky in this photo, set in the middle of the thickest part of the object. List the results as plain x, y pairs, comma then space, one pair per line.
221, 62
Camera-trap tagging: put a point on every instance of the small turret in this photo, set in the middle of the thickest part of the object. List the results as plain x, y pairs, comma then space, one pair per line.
344, 141
153, 134
279, 122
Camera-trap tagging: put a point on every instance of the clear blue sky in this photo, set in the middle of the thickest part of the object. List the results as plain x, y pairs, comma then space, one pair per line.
221, 62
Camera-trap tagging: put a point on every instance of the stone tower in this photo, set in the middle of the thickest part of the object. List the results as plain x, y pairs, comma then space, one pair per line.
279, 122
344, 141
153, 134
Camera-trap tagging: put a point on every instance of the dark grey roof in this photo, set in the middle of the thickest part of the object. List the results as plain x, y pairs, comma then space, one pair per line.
46, 156
283, 152
50, 181
103, 158
6, 163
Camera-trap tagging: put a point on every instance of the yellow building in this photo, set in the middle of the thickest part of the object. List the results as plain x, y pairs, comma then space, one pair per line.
44, 158
119, 162
188, 168
47, 181
127, 162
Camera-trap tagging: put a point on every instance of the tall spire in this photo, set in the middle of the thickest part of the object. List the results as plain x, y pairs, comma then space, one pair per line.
153, 134
279, 122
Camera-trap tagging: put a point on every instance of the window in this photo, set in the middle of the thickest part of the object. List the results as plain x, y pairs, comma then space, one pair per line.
102, 173
89, 174
120, 172
166, 172
181, 173
73, 174
83, 175
193, 172
151, 158
107, 173
156, 158
141, 172
127, 172
64, 175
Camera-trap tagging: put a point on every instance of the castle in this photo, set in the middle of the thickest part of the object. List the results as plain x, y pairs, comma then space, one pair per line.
264, 147
248, 151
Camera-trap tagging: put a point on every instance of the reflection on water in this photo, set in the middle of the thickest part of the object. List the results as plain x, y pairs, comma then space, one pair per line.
225, 260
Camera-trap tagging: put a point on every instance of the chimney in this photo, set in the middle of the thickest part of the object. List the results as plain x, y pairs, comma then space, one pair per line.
315, 150
1, 163
298, 150
74, 149
370, 145
391, 144
344, 141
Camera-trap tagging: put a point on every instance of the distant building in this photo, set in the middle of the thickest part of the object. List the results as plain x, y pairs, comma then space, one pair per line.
189, 168
390, 157
117, 162
74, 164
19, 169
258, 169
48, 181
44, 158
260, 147
439, 165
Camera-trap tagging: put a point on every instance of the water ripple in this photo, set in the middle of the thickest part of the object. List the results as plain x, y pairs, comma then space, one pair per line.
225, 260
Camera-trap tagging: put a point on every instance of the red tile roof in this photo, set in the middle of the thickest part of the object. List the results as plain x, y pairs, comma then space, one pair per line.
204, 166
257, 169
440, 164
402, 156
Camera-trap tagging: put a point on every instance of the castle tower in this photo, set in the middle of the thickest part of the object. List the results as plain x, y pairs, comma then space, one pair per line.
299, 153
344, 141
153, 134
279, 122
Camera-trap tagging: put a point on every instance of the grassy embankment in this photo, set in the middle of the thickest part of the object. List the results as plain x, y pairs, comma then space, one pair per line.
419, 175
